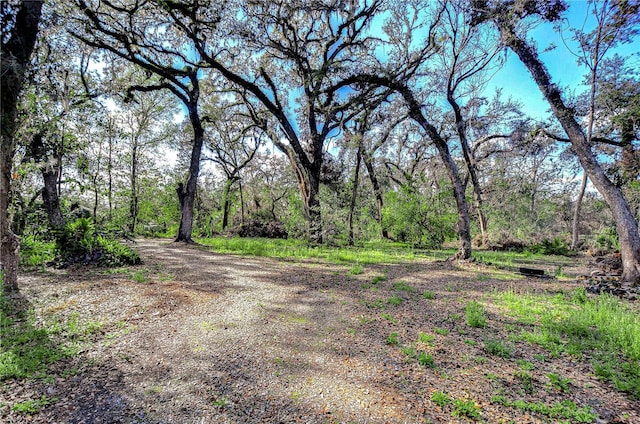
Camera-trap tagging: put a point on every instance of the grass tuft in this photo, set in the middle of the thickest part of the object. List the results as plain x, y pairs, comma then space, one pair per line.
475, 315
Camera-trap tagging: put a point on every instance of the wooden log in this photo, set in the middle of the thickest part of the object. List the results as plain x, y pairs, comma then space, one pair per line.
531, 272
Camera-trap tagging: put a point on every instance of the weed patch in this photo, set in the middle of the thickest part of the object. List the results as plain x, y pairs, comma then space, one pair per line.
497, 348
604, 327
395, 301
402, 286
475, 315
426, 360
32, 406
429, 295
565, 409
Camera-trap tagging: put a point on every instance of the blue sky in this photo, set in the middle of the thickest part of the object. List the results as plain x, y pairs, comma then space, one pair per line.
562, 65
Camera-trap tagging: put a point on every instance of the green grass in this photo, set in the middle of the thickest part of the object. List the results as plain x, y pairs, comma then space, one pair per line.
426, 338
392, 340
465, 408
378, 278
525, 365
429, 295
604, 328
426, 360
27, 348
395, 301
441, 398
356, 269
441, 331
558, 382
497, 348
374, 304
410, 352
565, 409
475, 315
140, 276
509, 259
402, 286
220, 402
32, 406
368, 253
461, 407
526, 379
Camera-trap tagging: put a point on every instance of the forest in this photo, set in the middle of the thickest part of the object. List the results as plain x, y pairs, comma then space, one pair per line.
318, 170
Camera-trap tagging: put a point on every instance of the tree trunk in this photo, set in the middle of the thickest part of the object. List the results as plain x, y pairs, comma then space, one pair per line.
242, 208
16, 53
50, 174
96, 198
471, 164
188, 191
309, 185
225, 202
626, 225
575, 229
110, 174
133, 205
368, 163
50, 198
464, 228
354, 193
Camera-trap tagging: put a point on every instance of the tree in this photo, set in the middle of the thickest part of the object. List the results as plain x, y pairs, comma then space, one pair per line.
233, 141
468, 54
58, 93
136, 33
403, 28
615, 23
297, 47
145, 121
19, 33
506, 16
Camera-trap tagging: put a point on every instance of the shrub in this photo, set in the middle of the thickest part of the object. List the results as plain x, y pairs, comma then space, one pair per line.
257, 228
36, 252
78, 242
607, 239
557, 246
411, 217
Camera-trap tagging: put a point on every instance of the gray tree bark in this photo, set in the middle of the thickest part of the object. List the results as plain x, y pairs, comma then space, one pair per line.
626, 225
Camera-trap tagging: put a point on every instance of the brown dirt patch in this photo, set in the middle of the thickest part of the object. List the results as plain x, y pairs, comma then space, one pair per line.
198, 337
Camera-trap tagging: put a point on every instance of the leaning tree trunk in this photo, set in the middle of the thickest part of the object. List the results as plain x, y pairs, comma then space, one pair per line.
16, 53
626, 225
187, 193
464, 227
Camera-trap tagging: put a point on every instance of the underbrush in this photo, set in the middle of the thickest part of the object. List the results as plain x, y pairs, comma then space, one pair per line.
79, 242
604, 328
35, 252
